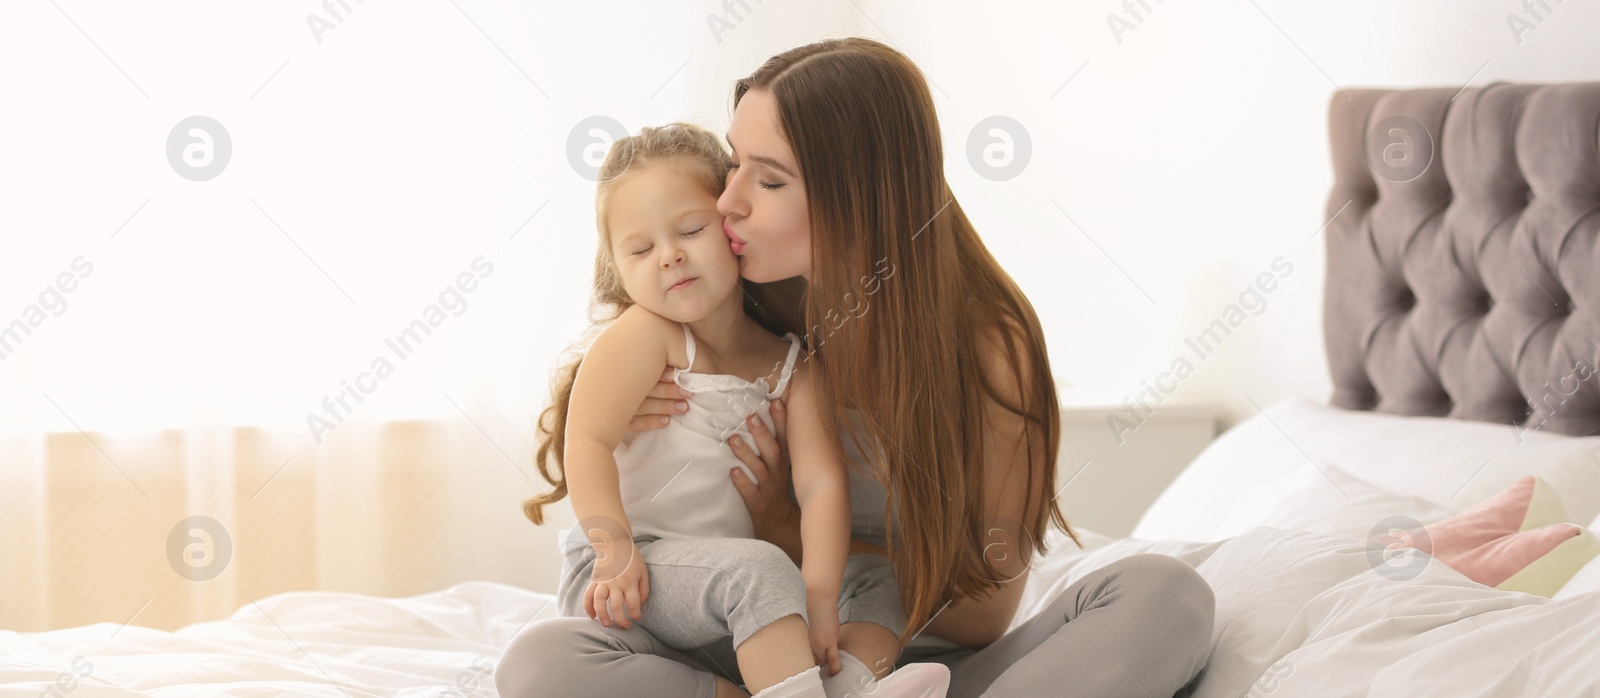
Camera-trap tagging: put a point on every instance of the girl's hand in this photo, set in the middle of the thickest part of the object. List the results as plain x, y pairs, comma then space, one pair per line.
664, 400
825, 638
771, 510
621, 596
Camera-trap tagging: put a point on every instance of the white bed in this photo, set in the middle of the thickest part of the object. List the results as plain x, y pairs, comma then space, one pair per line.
1300, 609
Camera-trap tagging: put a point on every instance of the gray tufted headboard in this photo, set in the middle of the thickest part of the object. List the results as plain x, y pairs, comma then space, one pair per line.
1464, 260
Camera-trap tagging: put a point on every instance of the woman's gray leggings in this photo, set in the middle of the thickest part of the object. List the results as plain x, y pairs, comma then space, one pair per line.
1139, 627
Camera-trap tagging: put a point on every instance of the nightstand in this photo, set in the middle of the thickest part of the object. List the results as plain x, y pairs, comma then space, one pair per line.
1114, 461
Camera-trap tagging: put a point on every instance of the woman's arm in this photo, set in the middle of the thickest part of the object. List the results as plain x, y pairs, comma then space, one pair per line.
1012, 499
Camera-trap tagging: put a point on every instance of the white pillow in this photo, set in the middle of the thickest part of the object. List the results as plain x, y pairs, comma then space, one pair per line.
1448, 463
1303, 497
1586, 581
1329, 501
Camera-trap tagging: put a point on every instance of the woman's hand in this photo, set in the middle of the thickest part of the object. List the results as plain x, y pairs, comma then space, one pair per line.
776, 518
622, 596
664, 400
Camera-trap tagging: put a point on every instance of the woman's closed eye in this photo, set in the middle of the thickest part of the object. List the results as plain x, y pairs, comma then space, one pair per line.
769, 186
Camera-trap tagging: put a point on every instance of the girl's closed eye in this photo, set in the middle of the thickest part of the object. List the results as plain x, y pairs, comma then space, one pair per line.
686, 233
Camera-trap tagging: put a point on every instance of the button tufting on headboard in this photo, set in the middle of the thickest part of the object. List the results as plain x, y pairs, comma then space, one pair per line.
1464, 267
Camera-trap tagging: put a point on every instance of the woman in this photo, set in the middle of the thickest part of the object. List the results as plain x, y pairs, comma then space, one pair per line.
935, 367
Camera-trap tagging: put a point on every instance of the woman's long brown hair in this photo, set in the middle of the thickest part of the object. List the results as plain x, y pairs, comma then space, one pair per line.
892, 251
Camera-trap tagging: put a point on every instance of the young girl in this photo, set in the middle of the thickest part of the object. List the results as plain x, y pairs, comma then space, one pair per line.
663, 537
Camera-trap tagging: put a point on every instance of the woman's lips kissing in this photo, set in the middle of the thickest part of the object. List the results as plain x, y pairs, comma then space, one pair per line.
734, 242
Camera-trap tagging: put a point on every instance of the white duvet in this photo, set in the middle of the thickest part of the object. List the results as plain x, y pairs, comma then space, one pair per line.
1302, 609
